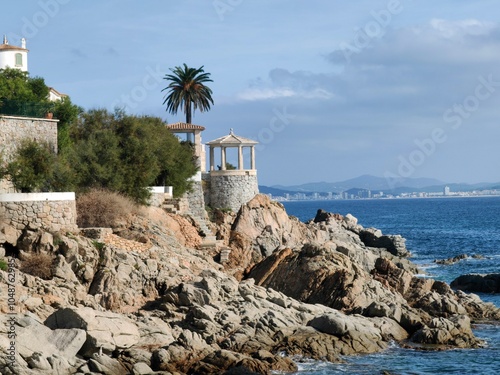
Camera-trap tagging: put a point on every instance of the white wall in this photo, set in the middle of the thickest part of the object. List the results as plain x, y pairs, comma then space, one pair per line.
8, 59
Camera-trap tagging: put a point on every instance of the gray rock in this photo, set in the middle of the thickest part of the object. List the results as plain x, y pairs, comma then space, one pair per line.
38, 361
455, 331
334, 324
106, 365
141, 368
34, 337
395, 244
106, 331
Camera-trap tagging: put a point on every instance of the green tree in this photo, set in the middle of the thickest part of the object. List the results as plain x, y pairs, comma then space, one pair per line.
31, 167
14, 85
127, 154
67, 113
22, 94
187, 90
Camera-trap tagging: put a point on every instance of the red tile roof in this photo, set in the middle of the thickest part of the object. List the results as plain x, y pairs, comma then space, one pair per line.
185, 126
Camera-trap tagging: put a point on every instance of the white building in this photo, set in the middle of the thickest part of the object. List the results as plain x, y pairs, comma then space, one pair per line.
17, 57
12, 56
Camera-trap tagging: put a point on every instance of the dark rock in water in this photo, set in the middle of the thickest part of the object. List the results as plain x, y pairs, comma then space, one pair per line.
478, 283
452, 260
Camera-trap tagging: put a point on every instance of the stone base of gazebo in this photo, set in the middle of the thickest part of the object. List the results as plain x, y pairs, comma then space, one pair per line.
231, 189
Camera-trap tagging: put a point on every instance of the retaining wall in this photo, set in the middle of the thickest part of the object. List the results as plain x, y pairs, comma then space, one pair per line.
51, 211
14, 129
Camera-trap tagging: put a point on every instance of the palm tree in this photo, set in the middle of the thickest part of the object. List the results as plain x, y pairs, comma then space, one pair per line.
187, 89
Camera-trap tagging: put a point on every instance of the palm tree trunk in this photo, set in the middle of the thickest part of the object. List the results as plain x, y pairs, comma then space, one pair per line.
188, 113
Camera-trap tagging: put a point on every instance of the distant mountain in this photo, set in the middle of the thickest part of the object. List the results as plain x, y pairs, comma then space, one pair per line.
275, 191
363, 182
378, 184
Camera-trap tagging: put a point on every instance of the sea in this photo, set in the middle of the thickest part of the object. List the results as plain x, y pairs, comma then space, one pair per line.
434, 228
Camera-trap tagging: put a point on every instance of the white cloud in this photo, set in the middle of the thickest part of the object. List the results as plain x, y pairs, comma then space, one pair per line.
252, 94
266, 93
461, 28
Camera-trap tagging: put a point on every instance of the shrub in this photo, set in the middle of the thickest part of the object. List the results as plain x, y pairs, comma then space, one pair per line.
39, 265
103, 208
3, 265
32, 166
127, 154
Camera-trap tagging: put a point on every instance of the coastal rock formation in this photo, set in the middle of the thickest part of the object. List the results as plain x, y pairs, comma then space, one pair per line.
146, 297
477, 283
457, 259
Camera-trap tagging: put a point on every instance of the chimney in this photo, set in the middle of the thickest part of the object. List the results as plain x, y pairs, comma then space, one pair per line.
23, 43
5, 41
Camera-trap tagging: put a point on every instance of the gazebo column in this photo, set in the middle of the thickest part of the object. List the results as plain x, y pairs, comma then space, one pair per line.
223, 158
240, 158
212, 158
252, 157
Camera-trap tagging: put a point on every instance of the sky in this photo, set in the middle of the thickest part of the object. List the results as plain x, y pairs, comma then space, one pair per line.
330, 89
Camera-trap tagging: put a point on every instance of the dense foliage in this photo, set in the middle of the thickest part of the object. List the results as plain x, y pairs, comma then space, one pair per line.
32, 167
187, 91
96, 149
18, 85
127, 154
21, 94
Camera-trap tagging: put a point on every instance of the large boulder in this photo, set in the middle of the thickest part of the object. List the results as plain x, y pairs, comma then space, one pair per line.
322, 275
454, 332
105, 331
478, 283
395, 244
263, 224
42, 349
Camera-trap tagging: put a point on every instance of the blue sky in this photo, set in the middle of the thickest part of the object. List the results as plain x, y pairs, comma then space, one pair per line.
331, 89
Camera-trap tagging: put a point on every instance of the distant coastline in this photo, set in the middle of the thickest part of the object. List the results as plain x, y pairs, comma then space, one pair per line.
387, 197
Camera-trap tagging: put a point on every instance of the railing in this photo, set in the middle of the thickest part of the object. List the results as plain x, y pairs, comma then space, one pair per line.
24, 109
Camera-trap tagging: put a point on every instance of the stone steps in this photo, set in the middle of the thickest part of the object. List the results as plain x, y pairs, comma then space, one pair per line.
170, 208
209, 240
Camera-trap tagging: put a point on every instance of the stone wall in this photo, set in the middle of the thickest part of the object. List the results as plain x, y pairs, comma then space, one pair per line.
231, 189
196, 200
14, 129
51, 211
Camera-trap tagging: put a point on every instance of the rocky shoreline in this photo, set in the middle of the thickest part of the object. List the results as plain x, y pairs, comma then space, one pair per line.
146, 298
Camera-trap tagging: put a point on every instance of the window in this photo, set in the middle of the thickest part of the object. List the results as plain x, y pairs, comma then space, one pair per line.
19, 59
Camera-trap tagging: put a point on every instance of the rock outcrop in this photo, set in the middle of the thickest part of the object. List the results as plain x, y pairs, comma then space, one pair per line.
147, 297
477, 283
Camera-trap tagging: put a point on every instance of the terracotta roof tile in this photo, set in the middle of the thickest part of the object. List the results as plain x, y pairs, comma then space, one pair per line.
185, 126
6, 47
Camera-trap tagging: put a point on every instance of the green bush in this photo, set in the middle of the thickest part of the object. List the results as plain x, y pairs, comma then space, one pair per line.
31, 167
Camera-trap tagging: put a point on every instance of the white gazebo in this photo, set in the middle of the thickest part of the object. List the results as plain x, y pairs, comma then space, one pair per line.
234, 141
231, 188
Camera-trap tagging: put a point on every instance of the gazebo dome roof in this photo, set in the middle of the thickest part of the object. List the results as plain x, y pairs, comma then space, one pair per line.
232, 140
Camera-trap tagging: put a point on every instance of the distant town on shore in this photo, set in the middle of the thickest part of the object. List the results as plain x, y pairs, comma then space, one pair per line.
371, 187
